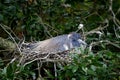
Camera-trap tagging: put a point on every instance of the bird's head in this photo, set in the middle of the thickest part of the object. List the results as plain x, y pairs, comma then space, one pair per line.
76, 39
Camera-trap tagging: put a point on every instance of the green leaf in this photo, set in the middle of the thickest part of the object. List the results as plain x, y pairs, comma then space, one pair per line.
85, 69
75, 68
1, 17
7, 1
48, 73
91, 72
93, 67
73, 79
4, 71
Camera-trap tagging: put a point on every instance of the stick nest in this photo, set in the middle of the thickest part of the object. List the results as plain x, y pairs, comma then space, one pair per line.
29, 55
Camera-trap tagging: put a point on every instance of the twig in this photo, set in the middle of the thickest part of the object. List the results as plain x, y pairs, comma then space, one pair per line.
10, 36
37, 59
109, 42
55, 69
98, 29
102, 41
11, 31
41, 22
39, 69
116, 34
113, 14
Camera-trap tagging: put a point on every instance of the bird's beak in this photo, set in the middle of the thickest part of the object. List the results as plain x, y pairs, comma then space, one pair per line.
82, 42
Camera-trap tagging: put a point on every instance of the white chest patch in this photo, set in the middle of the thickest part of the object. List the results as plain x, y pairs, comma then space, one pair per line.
65, 46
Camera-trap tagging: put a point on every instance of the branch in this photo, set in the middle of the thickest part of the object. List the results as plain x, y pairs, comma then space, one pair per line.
7, 45
3, 27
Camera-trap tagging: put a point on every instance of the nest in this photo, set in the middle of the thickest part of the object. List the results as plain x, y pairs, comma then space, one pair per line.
29, 56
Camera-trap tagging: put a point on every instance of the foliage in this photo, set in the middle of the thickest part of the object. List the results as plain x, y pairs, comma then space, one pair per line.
53, 17
85, 66
41, 19
13, 71
90, 66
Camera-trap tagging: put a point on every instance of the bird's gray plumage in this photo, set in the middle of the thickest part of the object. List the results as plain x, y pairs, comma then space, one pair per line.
59, 43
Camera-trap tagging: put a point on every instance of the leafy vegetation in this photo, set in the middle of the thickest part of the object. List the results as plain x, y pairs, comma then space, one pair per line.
92, 66
15, 72
35, 20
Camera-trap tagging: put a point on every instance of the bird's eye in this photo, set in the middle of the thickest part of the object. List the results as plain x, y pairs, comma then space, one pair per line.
73, 40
